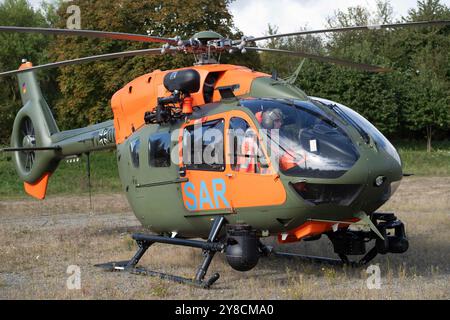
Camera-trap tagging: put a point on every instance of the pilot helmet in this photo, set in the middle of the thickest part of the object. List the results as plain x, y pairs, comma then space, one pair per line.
269, 118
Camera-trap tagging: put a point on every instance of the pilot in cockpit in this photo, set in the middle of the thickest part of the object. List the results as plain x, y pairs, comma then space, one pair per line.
273, 121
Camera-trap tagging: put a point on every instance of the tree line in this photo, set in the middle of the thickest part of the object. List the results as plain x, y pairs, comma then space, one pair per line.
411, 101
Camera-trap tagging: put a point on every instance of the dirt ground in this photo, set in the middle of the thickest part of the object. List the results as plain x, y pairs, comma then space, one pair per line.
40, 240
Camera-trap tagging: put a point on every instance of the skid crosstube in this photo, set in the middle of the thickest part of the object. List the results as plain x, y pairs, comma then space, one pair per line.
209, 247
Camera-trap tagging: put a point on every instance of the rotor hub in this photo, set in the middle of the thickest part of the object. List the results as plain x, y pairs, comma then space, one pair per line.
29, 141
205, 36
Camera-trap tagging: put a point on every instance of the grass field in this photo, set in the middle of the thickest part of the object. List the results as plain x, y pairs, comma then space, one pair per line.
39, 240
69, 178
419, 162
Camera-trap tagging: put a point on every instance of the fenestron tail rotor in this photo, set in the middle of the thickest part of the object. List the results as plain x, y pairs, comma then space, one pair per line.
28, 142
37, 144
31, 145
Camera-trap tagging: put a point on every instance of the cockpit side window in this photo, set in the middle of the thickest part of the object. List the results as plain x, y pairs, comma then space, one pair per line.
245, 152
203, 146
159, 149
134, 151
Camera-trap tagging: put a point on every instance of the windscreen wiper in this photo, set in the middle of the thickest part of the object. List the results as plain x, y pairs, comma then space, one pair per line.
348, 119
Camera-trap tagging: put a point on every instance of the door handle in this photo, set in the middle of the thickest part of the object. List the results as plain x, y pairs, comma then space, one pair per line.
230, 175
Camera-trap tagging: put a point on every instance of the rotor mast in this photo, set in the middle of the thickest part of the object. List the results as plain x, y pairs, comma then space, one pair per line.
206, 47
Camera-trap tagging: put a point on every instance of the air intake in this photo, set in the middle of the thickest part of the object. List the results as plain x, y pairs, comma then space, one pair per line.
341, 194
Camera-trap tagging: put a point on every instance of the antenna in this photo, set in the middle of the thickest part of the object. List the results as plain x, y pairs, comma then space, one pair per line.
88, 167
293, 77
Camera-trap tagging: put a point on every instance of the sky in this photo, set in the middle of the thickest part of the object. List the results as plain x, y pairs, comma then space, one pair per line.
253, 16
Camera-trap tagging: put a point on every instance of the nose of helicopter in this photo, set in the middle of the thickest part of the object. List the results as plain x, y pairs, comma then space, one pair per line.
383, 176
366, 186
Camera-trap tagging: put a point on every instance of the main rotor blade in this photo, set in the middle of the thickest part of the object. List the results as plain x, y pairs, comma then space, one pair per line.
90, 33
347, 63
346, 29
107, 56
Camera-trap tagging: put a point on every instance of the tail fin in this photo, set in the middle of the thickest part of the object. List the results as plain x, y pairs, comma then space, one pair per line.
33, 127
40, 143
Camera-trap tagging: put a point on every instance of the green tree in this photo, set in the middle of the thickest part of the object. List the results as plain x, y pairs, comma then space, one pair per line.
397, 102
87, 89
285, 65
372, 95
430, 104
364, 46
425, 56
15, 47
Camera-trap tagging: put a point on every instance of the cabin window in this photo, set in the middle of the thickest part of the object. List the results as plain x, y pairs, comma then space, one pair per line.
245, 152
134, 151
159, 150
203, 146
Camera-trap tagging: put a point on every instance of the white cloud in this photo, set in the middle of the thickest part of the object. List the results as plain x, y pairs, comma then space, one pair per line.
253, 16
35, 3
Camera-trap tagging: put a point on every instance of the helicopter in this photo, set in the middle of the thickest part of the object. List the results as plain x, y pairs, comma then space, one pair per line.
217, 157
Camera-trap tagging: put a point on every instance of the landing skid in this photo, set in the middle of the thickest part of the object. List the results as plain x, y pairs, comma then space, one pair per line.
210, 247
335, 262
313, 259
343, 259
122, 266
390, 237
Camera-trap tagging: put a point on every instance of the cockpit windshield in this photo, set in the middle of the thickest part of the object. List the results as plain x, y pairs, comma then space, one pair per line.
305, 140
361, 122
